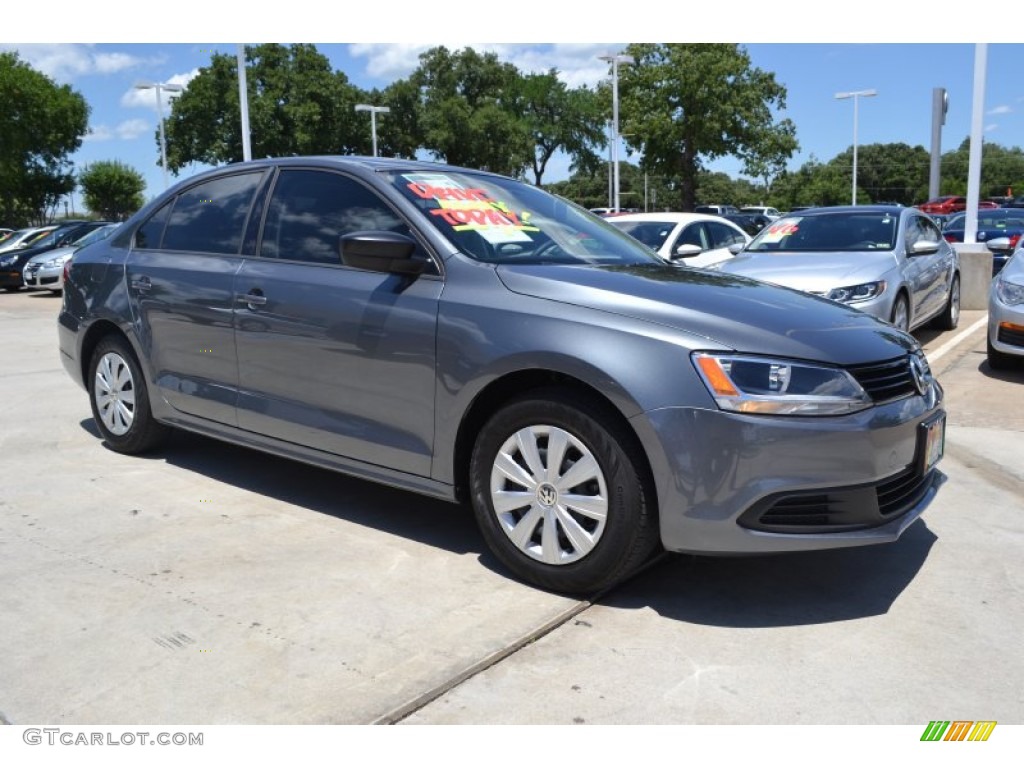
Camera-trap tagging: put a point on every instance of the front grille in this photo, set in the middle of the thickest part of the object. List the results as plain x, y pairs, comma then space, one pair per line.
1011, 337
840, 509
885, 381
901, 492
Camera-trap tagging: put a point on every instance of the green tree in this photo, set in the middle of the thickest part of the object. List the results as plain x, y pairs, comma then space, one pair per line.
893, 172
469, 111
43, 123
686, 103
1002, 168
112, 189
297, 106
560, 118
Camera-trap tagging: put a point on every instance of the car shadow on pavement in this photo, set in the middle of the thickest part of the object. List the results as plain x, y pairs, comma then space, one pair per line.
791, 589
419, 518
1008, 374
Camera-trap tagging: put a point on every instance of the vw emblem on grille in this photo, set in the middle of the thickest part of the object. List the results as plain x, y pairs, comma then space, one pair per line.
547, 495
922, 378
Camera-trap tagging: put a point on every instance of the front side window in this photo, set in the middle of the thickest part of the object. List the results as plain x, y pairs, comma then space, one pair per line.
653, 234
209, 217
311, 210
722, 235
502, 221
692, 234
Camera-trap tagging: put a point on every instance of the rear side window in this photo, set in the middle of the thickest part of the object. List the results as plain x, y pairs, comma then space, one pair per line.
210, 217
310, 210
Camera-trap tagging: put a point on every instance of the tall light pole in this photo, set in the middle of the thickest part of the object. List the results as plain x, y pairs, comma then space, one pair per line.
855, 95
243, 101
373, 120
615, 60
170, 88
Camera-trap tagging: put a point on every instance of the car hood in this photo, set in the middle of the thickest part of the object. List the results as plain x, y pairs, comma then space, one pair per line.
731, 311
51, 254
816, 272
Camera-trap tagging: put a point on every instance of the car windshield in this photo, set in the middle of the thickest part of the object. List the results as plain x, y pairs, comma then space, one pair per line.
829, 232
653, 234
95, 236
502, 221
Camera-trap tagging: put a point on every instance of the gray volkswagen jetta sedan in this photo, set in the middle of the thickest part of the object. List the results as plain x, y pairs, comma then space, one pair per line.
470, 337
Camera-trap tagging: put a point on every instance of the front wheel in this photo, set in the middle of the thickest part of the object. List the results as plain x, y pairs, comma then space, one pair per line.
557, 496
901, 313
119, 399
950, 316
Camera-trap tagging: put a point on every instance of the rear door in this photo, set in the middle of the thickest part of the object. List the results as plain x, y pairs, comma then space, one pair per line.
180, 278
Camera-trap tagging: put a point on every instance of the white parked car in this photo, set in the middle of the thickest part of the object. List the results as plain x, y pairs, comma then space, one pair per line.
763, 210
693, 239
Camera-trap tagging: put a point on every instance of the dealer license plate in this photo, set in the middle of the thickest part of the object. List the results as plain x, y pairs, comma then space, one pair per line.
934, 438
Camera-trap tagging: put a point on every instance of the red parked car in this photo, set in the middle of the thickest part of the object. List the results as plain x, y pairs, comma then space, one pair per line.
945, 204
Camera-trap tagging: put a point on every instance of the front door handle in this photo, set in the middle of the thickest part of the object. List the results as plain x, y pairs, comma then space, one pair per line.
254, 298
141, 284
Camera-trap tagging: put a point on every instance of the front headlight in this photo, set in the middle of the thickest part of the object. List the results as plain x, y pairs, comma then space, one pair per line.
7, 261
749, 384
862, 292
1009, 293
58, 262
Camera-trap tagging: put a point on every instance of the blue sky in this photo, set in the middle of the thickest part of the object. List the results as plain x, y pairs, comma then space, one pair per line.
894, 61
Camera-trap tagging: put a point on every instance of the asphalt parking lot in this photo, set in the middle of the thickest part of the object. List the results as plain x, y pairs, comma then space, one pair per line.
212, 584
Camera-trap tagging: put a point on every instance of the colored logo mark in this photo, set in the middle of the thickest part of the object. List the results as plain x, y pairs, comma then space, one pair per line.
958, 730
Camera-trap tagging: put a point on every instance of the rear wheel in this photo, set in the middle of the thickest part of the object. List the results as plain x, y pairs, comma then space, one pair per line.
119, 399
557, 496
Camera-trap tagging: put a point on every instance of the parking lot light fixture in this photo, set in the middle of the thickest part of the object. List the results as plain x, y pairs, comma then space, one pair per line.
615, 60
170, 88
373, 120
855, 95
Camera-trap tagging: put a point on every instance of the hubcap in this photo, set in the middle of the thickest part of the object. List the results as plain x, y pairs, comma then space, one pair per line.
114, 392
549, 494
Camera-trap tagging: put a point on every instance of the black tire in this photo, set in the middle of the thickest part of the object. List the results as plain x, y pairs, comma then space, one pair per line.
124, 418
12, 288
610, 550
950, 317
901, 308
1000, 361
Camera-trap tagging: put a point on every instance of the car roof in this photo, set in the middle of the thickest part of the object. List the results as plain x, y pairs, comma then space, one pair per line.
675, 218
896, 210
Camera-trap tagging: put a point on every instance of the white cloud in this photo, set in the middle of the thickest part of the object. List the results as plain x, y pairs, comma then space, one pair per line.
65, 61
991, 127
1002, 109
132, 129
98, 133
577, 63
145, 97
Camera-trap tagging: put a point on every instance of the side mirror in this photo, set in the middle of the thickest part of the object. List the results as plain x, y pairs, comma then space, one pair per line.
686, 251
999, 244
924, 247
735, 248
380, 251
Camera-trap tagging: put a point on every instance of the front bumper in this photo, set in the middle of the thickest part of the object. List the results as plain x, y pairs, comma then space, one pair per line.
46, 277
736, 484
1004, 322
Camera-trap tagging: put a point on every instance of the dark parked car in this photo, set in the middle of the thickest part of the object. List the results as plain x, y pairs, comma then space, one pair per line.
751, 223
12, 263
468, 336
993, 224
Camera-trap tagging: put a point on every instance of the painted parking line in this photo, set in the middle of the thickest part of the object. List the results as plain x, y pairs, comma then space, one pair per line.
952, 343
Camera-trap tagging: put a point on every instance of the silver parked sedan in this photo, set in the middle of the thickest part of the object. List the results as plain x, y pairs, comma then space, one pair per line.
470, 337
888, 261
47, 269
1006, 314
